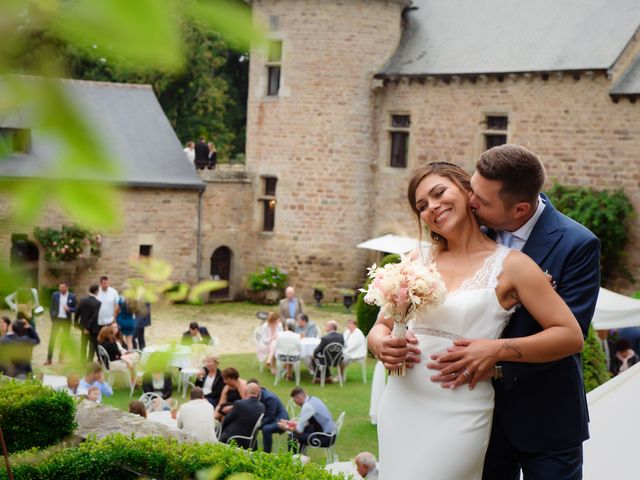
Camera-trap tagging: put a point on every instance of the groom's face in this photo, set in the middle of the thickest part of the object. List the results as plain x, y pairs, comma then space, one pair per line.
488, 205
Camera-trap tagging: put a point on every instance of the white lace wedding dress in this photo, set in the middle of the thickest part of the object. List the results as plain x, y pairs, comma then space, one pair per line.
427, 432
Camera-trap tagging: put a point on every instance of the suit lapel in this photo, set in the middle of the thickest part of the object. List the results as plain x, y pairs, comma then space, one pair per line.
545, 234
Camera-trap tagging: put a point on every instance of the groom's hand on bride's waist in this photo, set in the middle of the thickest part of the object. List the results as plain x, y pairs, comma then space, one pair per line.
467, 361
394, 351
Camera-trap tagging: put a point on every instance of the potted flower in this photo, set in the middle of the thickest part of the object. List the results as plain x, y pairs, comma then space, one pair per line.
347, 297
318, 293
268, 284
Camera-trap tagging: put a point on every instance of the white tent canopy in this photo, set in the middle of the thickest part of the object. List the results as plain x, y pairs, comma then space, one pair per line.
612, 450
615, 311
391, 243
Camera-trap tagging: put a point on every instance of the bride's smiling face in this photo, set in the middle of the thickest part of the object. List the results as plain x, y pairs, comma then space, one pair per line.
442, 203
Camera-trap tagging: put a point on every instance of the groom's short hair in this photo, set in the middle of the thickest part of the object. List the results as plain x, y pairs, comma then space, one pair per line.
518, 169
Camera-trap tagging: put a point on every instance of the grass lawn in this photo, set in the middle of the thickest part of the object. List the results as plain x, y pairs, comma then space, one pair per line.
357, 433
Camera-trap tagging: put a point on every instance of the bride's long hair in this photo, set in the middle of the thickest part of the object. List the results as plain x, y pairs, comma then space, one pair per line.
447, 170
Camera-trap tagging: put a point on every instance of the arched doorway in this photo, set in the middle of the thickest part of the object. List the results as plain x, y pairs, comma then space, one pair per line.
221, 270
24, 257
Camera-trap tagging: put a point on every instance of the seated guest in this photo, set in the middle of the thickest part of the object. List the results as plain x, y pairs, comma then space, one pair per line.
196, 417
608, 345
243, 417
117, 359
94, 378
367, 466
73, 381
210, 380
355, 344
289, 341
158, 382
5, 326
93, 395
196, 334
314, 417
306, 328
138, 408
235, 388
16, 349
267, 340
332, 336
625, 356
274, 411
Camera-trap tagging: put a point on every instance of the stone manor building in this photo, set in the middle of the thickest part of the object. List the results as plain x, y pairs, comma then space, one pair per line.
348, 97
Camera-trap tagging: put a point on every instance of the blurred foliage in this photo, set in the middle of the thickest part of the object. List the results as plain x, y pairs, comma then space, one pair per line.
154, 285
368, 314
607, 214
39, 37
594, 365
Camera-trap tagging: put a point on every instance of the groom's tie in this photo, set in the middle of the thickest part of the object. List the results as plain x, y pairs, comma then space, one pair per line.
508, 238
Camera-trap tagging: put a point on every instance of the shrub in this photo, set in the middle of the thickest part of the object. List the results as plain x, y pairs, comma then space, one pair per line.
32, 415
365, 313
118, 456
266, 279
606, 214
594, 365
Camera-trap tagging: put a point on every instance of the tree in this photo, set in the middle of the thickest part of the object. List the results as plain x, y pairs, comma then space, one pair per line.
207, 97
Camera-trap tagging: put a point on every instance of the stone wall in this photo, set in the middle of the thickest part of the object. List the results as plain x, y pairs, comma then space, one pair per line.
580, 134
317, 136
228, 221
163, 218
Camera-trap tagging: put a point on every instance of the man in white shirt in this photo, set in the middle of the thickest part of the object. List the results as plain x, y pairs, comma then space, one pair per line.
196, 417
108, 300
94, 378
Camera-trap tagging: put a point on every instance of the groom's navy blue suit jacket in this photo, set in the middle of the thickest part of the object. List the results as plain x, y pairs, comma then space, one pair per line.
542, 407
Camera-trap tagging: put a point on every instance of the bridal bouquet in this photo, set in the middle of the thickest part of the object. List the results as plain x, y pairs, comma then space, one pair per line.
401, 290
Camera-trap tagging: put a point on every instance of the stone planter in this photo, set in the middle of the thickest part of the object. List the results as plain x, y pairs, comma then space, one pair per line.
266, 297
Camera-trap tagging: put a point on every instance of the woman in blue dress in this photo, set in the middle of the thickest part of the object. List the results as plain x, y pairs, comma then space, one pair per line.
126, 318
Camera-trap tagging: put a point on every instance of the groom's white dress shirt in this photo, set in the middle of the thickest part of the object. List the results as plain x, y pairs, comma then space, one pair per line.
518, 238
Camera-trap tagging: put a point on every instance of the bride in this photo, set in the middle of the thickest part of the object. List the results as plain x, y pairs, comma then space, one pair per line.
434, 433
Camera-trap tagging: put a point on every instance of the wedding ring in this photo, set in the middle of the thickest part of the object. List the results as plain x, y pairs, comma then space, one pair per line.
466, 373
453, 375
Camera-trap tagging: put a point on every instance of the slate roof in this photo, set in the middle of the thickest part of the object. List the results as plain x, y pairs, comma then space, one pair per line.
131, 125
457, 37
629, 82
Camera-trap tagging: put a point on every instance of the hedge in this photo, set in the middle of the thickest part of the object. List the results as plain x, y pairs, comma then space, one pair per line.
122, 457
367, 314
594, 365
32, 415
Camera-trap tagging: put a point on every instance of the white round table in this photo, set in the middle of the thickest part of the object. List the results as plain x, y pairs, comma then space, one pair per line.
180, 355
308, 346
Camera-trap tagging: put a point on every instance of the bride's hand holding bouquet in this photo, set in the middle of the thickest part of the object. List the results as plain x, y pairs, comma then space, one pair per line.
401, 290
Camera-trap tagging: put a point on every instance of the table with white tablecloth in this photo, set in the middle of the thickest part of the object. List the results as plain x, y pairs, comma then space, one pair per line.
180, 356
56, 382
308, 346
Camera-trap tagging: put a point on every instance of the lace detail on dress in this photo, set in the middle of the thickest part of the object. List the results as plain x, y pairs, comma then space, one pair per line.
434, 332
487, 276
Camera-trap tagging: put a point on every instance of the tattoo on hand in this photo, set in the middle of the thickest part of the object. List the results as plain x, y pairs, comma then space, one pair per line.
514, 349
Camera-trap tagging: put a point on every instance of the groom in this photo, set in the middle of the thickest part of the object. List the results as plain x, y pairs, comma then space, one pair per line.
540, 415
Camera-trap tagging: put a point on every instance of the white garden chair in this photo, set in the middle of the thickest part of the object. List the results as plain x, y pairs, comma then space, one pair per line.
149, 398
363, 364
316, 439
287, 354
103, 358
